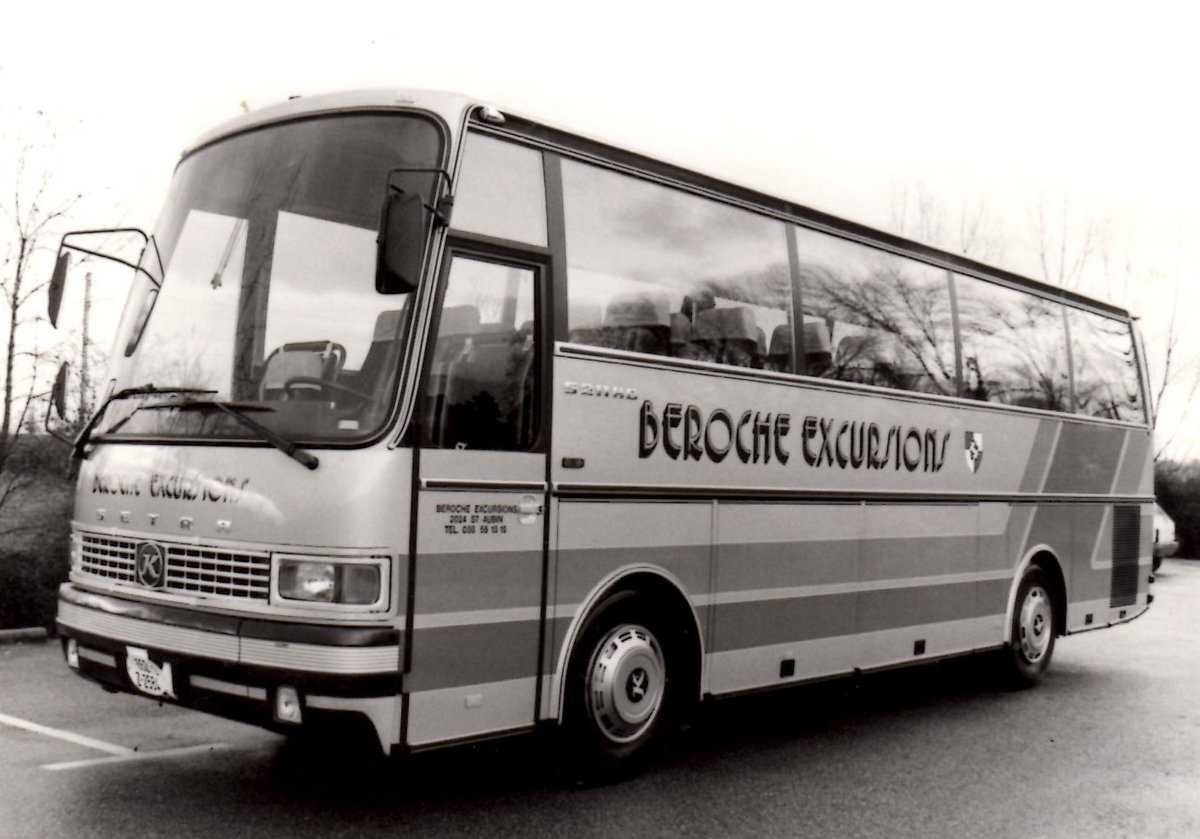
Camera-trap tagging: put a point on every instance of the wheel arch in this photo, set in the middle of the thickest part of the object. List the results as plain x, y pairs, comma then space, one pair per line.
660, 587
1047, 559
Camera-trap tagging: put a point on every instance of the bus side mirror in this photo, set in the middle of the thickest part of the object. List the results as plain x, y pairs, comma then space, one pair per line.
58, 403
57, 281
58, 394
401, 243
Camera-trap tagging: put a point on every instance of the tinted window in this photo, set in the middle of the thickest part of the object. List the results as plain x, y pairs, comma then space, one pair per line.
501, 192
873, 317
1106, 377
1014, 346
656, 270
481, 392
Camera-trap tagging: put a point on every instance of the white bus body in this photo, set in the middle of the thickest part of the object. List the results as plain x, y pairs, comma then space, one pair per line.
630, 443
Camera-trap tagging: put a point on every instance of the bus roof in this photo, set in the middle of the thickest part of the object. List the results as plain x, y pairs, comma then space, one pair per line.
452, 107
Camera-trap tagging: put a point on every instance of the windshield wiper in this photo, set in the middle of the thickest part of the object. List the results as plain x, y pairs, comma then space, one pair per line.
233, 409
236, 410
85, 436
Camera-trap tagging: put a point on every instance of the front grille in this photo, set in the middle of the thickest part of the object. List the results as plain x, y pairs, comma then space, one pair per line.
218, 572
107, 557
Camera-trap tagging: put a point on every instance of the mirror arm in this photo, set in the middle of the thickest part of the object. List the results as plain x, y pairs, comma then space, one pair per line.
145, 236
445, 204
441, 212
54, 432
117, 259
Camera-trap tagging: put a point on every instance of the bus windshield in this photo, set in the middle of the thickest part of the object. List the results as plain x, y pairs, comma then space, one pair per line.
268, 243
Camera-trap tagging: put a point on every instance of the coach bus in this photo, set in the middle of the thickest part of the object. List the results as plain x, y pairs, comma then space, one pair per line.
450, 422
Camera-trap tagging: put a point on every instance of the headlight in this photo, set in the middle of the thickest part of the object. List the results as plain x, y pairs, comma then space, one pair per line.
329, 580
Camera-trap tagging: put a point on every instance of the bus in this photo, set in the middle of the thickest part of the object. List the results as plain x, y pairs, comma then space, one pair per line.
450, 424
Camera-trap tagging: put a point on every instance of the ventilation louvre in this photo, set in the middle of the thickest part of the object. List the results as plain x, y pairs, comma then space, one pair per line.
1126, 536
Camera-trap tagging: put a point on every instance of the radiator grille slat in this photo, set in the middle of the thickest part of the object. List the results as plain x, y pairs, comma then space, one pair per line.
217, 572
1126, 537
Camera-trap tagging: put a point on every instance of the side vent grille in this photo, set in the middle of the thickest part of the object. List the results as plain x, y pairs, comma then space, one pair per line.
1126, 536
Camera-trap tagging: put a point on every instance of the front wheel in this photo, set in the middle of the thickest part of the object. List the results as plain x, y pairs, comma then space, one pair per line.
618, 690
1028, 653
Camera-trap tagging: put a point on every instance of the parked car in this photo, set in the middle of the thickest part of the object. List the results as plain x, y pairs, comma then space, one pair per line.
1165, 543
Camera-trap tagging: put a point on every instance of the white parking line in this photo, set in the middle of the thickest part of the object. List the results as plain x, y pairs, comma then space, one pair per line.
117, 754
125, 758
69, 736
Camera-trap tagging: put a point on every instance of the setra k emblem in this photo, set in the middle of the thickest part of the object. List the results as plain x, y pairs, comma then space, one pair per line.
635, 688
149, 565
974, 450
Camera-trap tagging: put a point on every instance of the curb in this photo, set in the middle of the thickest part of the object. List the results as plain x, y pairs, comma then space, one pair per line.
16, 636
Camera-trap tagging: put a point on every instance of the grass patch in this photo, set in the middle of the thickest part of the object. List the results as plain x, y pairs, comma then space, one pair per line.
34, 531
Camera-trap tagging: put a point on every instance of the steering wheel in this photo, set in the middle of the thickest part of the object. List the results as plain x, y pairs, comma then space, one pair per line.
305, 382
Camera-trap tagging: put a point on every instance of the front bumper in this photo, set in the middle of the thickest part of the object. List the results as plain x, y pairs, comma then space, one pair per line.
233, 666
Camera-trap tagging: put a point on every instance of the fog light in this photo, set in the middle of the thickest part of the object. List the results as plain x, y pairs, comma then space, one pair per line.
72, 653
287, 705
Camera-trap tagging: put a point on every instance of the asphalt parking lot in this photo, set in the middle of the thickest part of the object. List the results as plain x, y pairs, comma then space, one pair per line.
1109, 745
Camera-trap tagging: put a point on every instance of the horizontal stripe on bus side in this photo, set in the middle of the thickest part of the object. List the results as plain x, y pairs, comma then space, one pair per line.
763, 622
580, 569
749, 571
750, 668
478, 579
824, 590
743, 618
705, 492
487, 652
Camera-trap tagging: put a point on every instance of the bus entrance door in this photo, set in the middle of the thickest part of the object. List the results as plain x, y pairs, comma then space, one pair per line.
480, 509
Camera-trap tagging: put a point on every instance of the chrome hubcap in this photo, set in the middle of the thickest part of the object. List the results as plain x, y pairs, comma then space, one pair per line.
1035, 625
625, 683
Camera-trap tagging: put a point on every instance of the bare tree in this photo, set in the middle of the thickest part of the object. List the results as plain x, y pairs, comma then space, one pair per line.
30, 210
972, 231
1182, 375
1075, 251
1066, 244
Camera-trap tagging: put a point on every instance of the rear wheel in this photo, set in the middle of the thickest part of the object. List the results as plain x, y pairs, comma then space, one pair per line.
619, 690
1033, 627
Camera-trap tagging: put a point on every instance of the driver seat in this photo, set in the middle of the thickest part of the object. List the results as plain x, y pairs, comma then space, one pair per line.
308, 359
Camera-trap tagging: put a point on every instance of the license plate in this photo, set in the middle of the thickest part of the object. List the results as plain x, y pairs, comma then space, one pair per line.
148, 677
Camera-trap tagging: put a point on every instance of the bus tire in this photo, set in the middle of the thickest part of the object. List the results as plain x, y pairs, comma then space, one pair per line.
619, 693
1027, 655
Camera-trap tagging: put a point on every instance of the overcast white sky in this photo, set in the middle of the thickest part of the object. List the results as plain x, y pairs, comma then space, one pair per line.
838, 106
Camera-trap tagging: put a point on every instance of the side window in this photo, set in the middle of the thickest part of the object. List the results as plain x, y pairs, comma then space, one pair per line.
1106, 373
501, 191
1014, 346
874, 318
481, 390
656, 270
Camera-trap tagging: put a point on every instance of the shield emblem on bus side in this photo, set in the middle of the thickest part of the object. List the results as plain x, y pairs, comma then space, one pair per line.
974, 450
